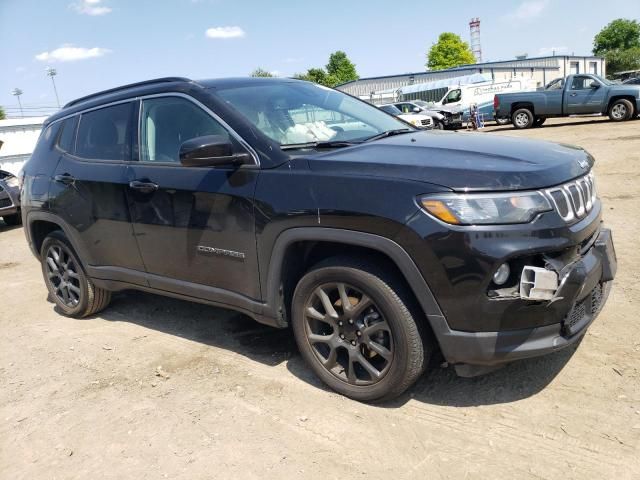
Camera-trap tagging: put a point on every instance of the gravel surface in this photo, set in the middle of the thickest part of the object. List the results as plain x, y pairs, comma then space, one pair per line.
159, 388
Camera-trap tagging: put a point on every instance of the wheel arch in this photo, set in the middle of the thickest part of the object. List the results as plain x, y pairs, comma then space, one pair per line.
40, 224
630, 98
317, 243
518, 105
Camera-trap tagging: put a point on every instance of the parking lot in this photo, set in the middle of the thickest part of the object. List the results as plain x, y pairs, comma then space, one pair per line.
159, 388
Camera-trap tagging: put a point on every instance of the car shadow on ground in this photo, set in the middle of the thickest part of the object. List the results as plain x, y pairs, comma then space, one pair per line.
590, 121
238, 333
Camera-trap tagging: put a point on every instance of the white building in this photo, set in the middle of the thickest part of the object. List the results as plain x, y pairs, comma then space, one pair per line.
18, 137
541, 70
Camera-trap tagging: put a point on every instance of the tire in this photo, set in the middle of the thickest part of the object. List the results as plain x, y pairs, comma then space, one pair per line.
522, 118
620, 110
438, 125
539, 121
380, 335
78, 297
503, 121
12, 220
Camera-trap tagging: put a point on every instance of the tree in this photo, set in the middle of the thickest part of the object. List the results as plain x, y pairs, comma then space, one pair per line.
341, 68
619, 44
2, 115
448, 52
261, 72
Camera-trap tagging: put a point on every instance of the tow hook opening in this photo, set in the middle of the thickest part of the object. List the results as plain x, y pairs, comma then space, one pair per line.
538, 283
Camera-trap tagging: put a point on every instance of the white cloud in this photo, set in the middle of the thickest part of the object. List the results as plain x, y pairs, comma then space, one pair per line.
544, 51
90, 7
276, 73
528, 9
69, 53
225, 32
292, 60
20, 69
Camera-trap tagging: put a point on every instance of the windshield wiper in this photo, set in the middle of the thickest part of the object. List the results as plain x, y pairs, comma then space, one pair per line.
325, 144
389, 133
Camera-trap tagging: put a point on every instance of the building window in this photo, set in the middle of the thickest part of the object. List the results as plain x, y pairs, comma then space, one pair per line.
574, 68
593, 68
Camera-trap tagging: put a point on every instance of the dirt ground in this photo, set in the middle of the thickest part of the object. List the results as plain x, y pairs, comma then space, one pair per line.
160, 388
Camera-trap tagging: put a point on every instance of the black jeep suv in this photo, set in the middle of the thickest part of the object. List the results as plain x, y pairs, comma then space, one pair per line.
301, 206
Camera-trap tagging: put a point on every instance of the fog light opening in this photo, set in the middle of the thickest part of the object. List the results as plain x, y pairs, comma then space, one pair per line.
502, 274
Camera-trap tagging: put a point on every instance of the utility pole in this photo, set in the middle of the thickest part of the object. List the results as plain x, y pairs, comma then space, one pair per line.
52, 72
17, 92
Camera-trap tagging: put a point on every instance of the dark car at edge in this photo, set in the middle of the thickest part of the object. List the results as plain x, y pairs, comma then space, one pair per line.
377, 244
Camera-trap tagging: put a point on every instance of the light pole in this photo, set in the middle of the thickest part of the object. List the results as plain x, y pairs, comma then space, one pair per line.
17, 92
52, 72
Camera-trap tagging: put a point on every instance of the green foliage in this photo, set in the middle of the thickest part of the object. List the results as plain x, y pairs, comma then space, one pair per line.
261, 72
2, 115
448, 52
619, 43
339, 70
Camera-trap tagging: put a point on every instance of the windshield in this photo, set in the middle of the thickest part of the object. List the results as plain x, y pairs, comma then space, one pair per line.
391, 109
294, 113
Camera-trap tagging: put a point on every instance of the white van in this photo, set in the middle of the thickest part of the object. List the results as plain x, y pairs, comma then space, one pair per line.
463, 95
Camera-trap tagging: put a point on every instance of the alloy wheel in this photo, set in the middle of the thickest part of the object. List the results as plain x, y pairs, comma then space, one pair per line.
522, 119
62, 273
348, 334
619, 111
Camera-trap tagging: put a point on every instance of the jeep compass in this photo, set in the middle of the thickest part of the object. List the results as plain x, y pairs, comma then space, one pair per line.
305, 208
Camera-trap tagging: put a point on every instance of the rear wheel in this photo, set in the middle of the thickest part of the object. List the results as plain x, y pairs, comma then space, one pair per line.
620, 110
11, 220
69, 287
522, 118
503, 121
356, 332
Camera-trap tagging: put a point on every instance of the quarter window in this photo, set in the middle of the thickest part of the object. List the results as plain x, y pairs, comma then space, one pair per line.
105, 134
66, 138
167, 122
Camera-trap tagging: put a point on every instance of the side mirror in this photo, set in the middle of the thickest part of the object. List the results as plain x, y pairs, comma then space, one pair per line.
595, 85
416, 110
210, 151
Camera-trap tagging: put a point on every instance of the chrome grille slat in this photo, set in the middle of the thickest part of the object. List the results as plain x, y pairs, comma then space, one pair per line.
575, 199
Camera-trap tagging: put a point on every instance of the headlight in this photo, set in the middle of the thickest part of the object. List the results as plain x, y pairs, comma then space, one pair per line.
12, 181
486, 208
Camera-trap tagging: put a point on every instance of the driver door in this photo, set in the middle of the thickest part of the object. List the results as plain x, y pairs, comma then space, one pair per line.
194, 225
582, 98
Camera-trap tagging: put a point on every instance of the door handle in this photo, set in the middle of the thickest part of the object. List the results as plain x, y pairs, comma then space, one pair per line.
573, 94
144, 187
65, 178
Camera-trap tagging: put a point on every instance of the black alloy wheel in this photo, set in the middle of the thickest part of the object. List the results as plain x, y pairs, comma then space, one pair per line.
358, 327
69, 287
348, 334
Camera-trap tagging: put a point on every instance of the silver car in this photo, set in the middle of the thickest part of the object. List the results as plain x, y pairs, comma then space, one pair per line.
10, 198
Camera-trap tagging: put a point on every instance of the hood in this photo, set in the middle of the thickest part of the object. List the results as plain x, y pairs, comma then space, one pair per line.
460, 161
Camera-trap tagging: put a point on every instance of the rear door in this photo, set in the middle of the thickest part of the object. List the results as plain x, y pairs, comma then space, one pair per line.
89, 187
582, 98
194, 225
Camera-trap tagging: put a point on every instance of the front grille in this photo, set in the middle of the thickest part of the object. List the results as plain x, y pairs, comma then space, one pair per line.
5, 202
425, 122
575, 199
583, 311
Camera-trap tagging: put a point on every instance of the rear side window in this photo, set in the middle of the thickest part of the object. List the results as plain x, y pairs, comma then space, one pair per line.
67, 135
105, 134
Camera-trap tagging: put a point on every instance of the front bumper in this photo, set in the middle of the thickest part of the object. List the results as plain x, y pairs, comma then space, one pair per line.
586, 285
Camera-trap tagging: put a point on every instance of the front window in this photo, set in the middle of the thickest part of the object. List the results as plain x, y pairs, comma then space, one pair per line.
294, 113
453, 96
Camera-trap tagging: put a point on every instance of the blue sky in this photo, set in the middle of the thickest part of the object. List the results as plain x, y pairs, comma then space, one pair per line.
98, 44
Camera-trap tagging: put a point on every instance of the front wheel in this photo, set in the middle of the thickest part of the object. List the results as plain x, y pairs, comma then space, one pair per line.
620, 110
539, 121
522, 118
72, 291
438, 125
355, 330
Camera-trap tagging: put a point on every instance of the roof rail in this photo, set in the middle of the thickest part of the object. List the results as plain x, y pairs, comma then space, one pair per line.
125, 87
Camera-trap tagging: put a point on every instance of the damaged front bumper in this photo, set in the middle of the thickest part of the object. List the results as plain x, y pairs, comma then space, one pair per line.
584, 284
